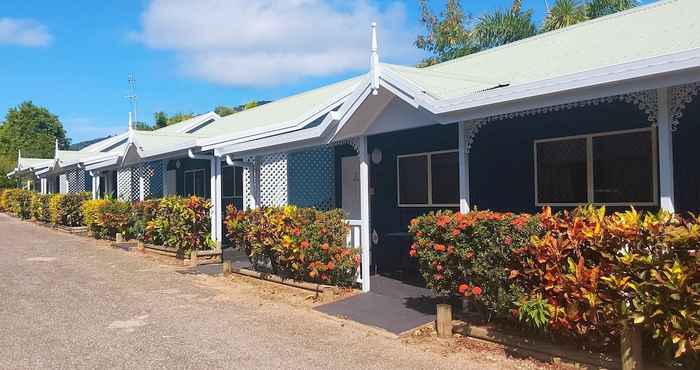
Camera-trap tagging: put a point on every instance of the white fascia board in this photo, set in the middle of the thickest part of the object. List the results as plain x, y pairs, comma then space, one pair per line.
292, 125
349, 108
108, 163
284, 142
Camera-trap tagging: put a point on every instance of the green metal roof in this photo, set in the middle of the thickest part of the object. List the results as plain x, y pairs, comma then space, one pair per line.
652, 30
33, 162
280, 111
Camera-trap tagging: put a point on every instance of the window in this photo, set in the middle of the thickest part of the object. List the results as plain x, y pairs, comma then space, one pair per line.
232, 186
428, 179
195, 183
616, 168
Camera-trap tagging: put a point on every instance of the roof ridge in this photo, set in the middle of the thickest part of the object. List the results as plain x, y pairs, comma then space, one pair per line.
587, 23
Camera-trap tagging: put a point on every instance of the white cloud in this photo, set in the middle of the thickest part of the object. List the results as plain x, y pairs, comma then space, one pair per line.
269, 42
23, 32
86, 128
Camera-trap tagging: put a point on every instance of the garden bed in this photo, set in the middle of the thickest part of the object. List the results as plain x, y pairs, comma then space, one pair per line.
203, 256
319, 288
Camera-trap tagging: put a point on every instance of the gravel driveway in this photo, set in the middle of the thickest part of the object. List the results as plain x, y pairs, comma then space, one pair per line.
66, 302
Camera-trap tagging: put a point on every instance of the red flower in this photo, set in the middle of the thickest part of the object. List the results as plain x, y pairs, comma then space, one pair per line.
412, 253
437, 277
442, 221
330, 265
463, 288
508, 241
456, 232
439, 248
324, 246
304, 244
476, 290
297, 231
439, 268
450, 249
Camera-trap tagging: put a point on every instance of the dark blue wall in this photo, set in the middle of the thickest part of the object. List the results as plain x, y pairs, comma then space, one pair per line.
501, 160
187, 164
387, 217
686, 169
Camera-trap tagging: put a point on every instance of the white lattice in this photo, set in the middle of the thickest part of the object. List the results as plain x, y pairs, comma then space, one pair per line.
680, 96
311, 178
646, 101
248, 184
153, 179
77, 181
273, 179
124, 187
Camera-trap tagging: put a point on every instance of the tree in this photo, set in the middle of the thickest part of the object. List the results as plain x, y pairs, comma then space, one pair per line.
599, 8
160, 119
454, 34
34, 130
224, 111
564, 13
179, 117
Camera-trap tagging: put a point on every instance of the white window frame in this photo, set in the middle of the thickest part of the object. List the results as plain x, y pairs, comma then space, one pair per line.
430, 180
590, 172
234, 197
194, 181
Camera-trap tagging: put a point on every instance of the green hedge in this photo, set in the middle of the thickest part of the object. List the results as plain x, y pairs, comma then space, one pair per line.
17, 201
180, 223
577, 274
298, 243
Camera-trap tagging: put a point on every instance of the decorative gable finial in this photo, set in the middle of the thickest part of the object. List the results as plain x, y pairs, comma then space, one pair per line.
374, 61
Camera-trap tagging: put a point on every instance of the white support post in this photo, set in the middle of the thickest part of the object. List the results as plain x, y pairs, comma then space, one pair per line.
665, 141
365, 239
142, 185
96, 186
44, 184
215, 215
463, 169
217, 200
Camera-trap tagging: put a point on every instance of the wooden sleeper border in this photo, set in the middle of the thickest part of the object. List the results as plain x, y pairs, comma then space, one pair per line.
318, 288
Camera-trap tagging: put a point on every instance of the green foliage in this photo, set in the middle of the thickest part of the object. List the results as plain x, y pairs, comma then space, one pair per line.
454, 34
297, 243
106, 217
142, 213
458, 253
66, 209
40, 207
224, 111
564, 13
535, 312
34, 130
18, 202
181, 223
160, 119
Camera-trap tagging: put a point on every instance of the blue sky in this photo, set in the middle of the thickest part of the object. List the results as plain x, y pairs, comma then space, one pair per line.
189, 56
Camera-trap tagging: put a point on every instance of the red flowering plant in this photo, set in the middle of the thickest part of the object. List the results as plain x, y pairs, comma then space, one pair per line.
470, 254
181, 223
297, 243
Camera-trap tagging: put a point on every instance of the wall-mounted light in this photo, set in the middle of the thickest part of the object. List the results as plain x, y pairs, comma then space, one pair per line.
178, 164
376, 156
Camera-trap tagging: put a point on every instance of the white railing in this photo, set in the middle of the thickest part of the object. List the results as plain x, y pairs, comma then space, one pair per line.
354, 240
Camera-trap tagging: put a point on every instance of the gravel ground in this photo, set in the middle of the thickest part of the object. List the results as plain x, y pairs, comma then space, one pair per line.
69, 302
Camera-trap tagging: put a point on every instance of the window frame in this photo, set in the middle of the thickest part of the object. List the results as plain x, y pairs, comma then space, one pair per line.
233, 197
430, 203
194, 182
590, 181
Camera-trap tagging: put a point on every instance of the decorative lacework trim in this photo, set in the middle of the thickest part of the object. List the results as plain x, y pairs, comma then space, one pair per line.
680, 96
646, 101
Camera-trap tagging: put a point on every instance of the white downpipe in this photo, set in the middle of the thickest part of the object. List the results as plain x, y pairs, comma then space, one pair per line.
463, 170
215, 213
365, 213
665, 140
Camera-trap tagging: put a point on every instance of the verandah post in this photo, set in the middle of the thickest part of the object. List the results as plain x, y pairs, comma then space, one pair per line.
665, 142
364, 212
463, 169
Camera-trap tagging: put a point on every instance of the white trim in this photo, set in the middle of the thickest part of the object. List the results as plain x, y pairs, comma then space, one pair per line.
590, 184
429, 163
665, 151
194, 182
365, 239
463, 169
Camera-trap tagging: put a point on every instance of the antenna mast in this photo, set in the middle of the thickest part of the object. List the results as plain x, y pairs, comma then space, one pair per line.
132, 95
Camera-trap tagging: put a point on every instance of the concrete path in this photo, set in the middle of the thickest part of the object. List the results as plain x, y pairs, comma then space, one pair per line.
66, 303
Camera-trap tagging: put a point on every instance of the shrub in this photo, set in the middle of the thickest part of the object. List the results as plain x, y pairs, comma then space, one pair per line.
469, 254
40, 207
92, 216
54, 204
182, 223
3, 200
18, 202
67, 209
142, 213
580, 274
298, 243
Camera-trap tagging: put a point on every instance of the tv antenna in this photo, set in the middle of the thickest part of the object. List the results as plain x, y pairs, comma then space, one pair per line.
132, 95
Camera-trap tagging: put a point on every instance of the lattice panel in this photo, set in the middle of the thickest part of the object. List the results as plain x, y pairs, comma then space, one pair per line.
273, 180
78, 181
153, 179
311, 178
124, 184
